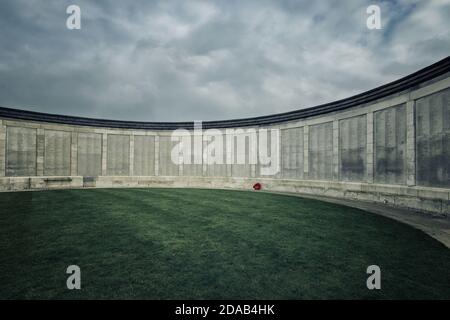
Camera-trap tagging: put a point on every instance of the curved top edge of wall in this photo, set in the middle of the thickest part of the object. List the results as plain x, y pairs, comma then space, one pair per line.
410, 81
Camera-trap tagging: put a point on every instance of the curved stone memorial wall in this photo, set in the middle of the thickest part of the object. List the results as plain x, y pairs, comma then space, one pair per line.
390, 145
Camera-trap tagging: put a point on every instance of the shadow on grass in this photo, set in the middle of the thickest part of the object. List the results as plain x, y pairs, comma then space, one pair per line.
209, 244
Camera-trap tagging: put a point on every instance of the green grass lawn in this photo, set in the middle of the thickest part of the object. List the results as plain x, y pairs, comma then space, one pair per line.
208, 244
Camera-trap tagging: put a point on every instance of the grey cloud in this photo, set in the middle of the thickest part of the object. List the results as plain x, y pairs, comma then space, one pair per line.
202, 60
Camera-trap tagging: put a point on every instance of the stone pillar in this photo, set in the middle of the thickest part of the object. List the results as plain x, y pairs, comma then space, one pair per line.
74, 154
280, 159
229, 155
336, 150
410, 145
104, 153
229, 170
370, 151
40, 149
156, 155
306, 152
252, 152
204, 157
197, 157
180, 163
131, 155
2, 148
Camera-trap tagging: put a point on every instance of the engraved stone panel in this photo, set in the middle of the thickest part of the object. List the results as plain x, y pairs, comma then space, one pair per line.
269, 161
2, 149
321, 151
433, 139
57, 153
211, 149
390, 145
192, 169
352, 148
144, 155
89, 157
292, 153
118, 155
240, 156
20, 151
167, 167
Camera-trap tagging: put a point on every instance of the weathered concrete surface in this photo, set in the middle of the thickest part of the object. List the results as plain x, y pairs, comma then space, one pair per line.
321, 151
131, 156
215, 160
166, 166
352, 148
190, 167
410, 144
390, 145
433, 140
306, 152
21, 151
144, 155
369, 149
74, 154
104, 157
292, 152
40, 149
2, 149
239, 168
89, 154
57, 153
118, 155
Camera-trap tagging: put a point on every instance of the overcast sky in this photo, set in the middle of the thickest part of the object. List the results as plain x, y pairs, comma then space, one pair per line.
206, 60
